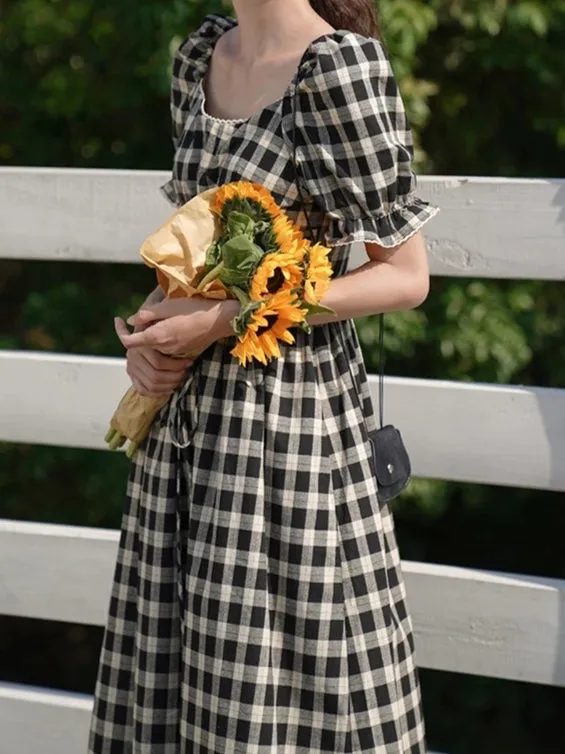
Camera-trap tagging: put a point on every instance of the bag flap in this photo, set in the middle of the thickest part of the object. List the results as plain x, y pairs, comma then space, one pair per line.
392, 463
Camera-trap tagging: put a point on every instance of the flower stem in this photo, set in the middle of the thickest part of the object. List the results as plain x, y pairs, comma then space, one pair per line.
117, 441
243, 298
132, 449
212, 275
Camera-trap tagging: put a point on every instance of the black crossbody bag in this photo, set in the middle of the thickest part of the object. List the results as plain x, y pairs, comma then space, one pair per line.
390, 458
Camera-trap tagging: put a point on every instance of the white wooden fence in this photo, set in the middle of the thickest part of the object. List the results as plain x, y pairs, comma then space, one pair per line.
472, 621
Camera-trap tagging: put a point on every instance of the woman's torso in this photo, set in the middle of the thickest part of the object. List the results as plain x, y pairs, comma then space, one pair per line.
212, 151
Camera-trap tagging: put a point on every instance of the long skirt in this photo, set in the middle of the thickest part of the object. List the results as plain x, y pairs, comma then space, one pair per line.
258, 605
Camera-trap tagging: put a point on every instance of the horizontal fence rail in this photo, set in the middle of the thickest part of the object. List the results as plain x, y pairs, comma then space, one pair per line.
39, 720
488, 227
455, 431
466, 620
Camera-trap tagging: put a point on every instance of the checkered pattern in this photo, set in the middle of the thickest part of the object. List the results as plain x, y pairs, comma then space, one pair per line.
354, 144
258, 605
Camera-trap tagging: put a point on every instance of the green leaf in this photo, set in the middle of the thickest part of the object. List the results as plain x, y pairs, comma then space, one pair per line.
318, 309
240, 322
236, 277
214, 255
246, 207
266, 239
239, 224
241, 254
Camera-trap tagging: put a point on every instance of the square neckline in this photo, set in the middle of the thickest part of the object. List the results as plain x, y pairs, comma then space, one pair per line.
231, 23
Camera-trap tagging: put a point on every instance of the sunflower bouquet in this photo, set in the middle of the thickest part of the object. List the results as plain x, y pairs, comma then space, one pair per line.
232, 242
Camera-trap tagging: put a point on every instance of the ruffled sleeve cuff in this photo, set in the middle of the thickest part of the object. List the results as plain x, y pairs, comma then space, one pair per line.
388, 229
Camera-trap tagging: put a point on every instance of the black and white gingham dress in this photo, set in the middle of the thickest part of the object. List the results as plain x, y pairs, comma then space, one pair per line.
258, 605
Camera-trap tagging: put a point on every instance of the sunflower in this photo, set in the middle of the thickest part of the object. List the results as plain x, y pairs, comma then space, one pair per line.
282, 269
245, 190
278, 271
318, 274
268, 324
287, 234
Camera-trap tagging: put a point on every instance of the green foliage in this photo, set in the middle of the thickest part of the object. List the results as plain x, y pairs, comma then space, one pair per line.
85, 83
482, 83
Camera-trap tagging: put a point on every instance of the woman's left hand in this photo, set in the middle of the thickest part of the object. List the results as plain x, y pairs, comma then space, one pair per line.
181, 325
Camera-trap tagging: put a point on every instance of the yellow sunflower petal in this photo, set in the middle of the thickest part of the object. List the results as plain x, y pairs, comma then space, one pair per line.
246, 350
318, 274
286, 233
288, 337
246, 190
270, 345
268, 327
287, 266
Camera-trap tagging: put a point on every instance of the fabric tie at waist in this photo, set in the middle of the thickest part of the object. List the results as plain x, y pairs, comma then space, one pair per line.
182, 412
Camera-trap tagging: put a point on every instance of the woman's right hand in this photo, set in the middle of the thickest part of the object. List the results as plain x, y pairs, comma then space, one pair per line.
154, 374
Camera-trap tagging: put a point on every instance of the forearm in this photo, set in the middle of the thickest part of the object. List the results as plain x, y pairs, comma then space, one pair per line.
392, 280
371, 289
389, 281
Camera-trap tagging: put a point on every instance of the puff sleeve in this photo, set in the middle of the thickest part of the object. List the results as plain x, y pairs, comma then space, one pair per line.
354, 145
190, 64
181, 88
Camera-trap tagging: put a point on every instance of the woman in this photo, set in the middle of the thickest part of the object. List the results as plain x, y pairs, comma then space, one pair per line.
258, 604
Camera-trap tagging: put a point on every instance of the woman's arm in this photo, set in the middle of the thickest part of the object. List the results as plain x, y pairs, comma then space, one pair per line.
388, 282
393, 280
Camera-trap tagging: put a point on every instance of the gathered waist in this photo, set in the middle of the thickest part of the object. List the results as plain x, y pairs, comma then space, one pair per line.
313, 356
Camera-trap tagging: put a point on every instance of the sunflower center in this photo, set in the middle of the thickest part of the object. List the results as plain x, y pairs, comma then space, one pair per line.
276, 280
271, 322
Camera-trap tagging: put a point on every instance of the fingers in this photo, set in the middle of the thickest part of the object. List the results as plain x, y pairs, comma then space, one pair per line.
142, 389
156, 312
165, 363
153, 378
144, 385
143, 317
133, 340
169, 307
152, 381
121, 330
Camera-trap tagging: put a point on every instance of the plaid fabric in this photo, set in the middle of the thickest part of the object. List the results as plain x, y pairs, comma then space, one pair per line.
354, 144
258, 605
